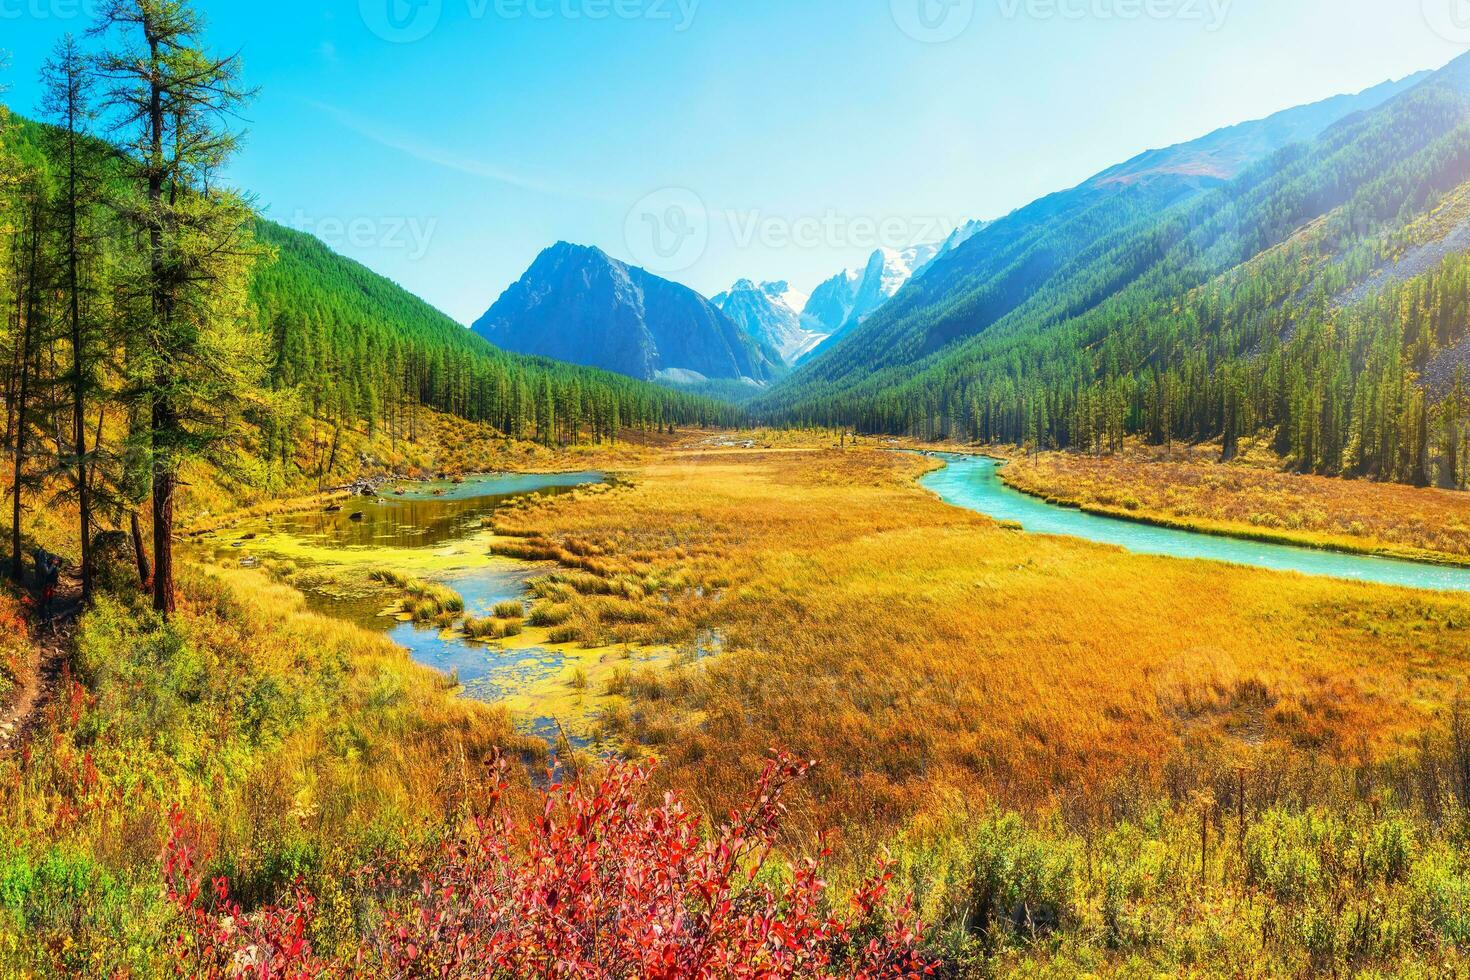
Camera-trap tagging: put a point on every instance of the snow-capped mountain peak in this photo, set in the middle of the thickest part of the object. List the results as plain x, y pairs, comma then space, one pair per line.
781, 293
796, 324
853, 295
771, 313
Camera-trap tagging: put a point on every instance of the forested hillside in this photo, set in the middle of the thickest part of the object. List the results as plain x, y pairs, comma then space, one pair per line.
154, 320
1230, 311
361, 348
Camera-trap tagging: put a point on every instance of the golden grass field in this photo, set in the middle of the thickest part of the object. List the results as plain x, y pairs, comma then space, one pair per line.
917, 650
1254, 498
942, 669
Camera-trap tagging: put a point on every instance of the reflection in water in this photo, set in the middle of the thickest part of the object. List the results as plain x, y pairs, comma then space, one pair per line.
422, 515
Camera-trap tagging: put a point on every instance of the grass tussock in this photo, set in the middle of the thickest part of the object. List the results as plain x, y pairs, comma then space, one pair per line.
549, 614
491, 629
426, 602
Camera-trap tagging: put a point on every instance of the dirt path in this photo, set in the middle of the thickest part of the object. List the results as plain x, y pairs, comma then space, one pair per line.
21, 716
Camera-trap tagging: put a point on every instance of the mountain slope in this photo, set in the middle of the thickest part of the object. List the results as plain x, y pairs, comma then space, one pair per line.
1050, 245
853, 295
1226, 153
771, 313
578, 304
1234, 311
351, 335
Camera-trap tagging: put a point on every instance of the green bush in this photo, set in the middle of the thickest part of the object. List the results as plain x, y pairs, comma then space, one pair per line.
1020, 888
1439, 887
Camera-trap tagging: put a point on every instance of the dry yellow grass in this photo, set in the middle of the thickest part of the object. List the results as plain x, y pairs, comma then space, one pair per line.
917, 649
1256, 499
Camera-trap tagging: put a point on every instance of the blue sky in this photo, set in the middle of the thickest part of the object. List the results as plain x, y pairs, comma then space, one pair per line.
445, 142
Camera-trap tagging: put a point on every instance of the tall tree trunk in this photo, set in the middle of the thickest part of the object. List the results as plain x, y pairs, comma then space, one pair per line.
163, 420
336, 444
12, 378
17, 559
96, 447
140, 552
1421, 447
78, 367
165, 482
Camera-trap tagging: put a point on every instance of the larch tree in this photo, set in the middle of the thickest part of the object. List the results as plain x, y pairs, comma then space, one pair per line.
9, 278
195, 363
31, 273
68, 103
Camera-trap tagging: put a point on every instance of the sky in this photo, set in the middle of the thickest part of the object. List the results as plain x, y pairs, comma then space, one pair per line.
444, 143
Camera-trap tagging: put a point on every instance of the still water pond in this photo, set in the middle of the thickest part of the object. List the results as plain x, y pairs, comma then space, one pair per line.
974, 483
429, 531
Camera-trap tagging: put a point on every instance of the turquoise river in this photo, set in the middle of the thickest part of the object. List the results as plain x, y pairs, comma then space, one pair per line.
974, 483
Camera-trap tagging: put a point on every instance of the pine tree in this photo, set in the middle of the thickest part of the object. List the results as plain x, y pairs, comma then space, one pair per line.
1420, 448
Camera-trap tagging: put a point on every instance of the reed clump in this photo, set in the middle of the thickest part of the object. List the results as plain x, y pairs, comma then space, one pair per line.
425, 601
491, 628
548, 614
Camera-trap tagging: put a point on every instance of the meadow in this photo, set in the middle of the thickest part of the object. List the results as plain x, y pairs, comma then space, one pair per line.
1080, 760
918, 649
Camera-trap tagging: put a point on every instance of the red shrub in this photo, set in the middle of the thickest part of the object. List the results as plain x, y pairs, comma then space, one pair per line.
219, 940
599, 886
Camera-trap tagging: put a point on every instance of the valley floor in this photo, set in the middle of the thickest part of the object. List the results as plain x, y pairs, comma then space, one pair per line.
917, 649
943, 670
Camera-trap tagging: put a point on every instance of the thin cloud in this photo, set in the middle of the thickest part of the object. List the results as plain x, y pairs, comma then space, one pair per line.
428, 153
